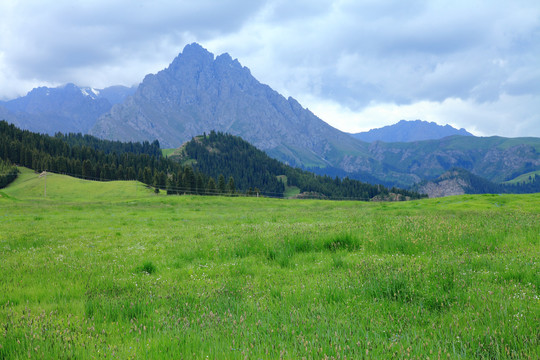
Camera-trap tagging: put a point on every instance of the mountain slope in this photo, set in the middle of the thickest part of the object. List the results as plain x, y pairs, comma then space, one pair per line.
495, 158
198, 93
408, 131
459, 181
66, 109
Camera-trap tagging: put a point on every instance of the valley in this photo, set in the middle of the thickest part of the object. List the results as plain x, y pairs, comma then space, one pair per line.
269, 180
111, 269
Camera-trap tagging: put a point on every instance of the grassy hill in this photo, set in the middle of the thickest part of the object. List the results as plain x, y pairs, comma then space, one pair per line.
32, 185
525, 178
98, 270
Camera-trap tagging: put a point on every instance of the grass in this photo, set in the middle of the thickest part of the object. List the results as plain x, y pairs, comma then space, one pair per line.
30, 186
290, 191
88, 274
167, 152
523, 178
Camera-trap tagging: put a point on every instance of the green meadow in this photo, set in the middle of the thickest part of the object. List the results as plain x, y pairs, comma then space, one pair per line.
113, 270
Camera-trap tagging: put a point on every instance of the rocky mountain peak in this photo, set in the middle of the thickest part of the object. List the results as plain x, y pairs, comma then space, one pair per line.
198, 93
193, 55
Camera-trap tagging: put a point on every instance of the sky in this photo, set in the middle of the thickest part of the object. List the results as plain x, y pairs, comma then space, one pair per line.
357, 64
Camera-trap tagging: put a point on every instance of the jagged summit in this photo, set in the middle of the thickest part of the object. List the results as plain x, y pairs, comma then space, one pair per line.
193, 54
197, 58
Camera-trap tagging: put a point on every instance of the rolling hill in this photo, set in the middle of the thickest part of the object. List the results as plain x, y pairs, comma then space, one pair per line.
496, 159
224, 154
33, 185
201, 166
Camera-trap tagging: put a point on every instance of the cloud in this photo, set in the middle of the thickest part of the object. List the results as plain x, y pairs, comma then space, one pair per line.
54, 41
509, 116
352, 56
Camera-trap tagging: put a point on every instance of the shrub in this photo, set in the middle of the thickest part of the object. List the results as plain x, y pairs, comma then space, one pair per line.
341, 242
148, 268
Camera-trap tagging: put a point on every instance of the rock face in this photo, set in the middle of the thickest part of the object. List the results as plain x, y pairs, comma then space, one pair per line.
65, 109
408, 131
447, 187
198, 93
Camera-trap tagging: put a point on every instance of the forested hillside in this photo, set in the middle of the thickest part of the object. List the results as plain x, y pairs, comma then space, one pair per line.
219, 153
94, 159
214, 164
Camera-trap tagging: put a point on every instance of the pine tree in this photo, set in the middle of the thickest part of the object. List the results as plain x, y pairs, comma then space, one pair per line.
147, 176
170, 185
230, 186
87, 169
221, 182
189, 180
211, 187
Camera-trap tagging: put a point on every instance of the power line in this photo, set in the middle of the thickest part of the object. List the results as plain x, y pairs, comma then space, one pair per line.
204, 191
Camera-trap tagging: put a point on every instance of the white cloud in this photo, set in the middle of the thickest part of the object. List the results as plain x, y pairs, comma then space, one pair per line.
509, 116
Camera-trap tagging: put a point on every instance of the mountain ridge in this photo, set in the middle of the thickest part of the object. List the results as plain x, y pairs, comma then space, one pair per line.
199, 92
409, 131
67, 108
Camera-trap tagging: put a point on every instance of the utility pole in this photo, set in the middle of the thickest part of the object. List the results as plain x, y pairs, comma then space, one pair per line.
44, 175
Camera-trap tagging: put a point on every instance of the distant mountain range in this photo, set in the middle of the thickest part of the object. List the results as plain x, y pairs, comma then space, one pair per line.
199, 92
408, 131
66, 109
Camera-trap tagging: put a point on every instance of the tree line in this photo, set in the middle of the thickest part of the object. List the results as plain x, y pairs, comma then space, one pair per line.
87, 157
217, 163
218, 152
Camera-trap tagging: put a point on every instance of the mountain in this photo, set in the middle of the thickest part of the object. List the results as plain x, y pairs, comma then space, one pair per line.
408, 131
459, 181
198, 93
67, 108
